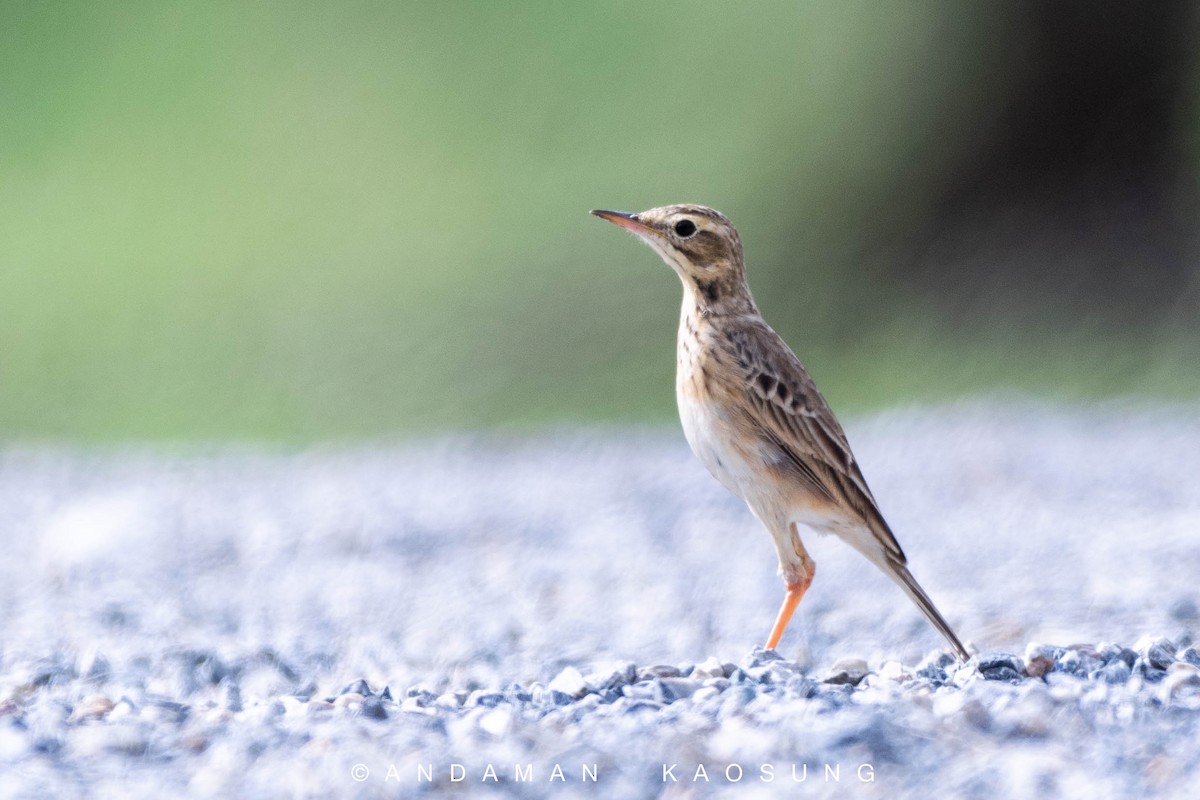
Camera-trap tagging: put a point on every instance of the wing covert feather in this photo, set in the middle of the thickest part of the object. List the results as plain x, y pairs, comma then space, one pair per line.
787, 406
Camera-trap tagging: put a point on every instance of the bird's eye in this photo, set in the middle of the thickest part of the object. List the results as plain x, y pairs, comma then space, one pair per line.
685, 228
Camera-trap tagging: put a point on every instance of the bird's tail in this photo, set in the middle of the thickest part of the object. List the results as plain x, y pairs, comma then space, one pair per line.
908, 583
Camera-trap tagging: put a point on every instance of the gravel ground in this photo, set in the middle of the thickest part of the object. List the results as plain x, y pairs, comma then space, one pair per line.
238, 622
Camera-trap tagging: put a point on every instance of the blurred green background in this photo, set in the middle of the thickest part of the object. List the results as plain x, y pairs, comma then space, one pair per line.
289, 221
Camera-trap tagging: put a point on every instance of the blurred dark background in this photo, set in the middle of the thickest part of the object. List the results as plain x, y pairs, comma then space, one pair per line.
1079, 187
298, 221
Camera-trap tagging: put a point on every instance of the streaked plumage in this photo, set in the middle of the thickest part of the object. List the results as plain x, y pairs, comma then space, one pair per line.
753, 416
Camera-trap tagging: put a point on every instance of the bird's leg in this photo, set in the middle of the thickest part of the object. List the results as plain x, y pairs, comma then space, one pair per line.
799, 576
795, 591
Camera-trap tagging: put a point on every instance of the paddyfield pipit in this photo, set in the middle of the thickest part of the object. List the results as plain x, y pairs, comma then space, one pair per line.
754, 417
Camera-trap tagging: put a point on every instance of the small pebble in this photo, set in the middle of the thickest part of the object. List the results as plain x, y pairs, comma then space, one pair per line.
933, 673
1181, 684
895, 671
737, 698
1077, 662
739, 675
1115, 672
1000, 666
668, 690
167, 711
569, 682
231, 697
479, 697
710, 668
350, 699
768, 674
1161, 654
1041, 658
92, 707
95, 667
760, 658
613, 676
373, 708
449, 700
659, 671
848, 671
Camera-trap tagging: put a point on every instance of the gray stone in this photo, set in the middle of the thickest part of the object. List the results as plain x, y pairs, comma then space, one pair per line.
645, 690
941, 658
1161, 654
373, 708
1000, 667
95, 667
578, 549
668, 690
658, 671
1191, 655
848, 671
55, 671
760, 658
569, 682
231, 697
1148, 671
933, 673
736, 699
1181, 685
1110, 652
167, 711
1078, 663
769, 674
635, 706
449, 700
613, 676
710, 668
486, 699
739, 675
800, 686
1115, 671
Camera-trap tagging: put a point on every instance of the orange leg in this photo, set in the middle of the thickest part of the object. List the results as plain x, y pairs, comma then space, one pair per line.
795, 591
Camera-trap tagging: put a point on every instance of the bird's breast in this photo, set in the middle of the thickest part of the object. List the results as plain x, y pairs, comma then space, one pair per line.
709, 424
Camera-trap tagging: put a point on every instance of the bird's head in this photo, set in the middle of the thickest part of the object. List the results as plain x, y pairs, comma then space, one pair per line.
699, 243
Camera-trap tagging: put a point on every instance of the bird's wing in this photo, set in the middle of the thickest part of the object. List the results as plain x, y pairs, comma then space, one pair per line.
788, 409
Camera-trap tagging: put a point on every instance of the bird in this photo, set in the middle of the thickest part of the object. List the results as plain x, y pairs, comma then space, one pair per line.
753, 416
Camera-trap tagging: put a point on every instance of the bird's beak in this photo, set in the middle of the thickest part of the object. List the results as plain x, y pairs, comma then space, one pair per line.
629, 222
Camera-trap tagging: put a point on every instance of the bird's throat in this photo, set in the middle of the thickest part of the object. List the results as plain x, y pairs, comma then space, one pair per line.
715, 296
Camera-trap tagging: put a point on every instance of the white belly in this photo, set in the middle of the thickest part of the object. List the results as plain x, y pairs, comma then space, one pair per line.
705, 433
